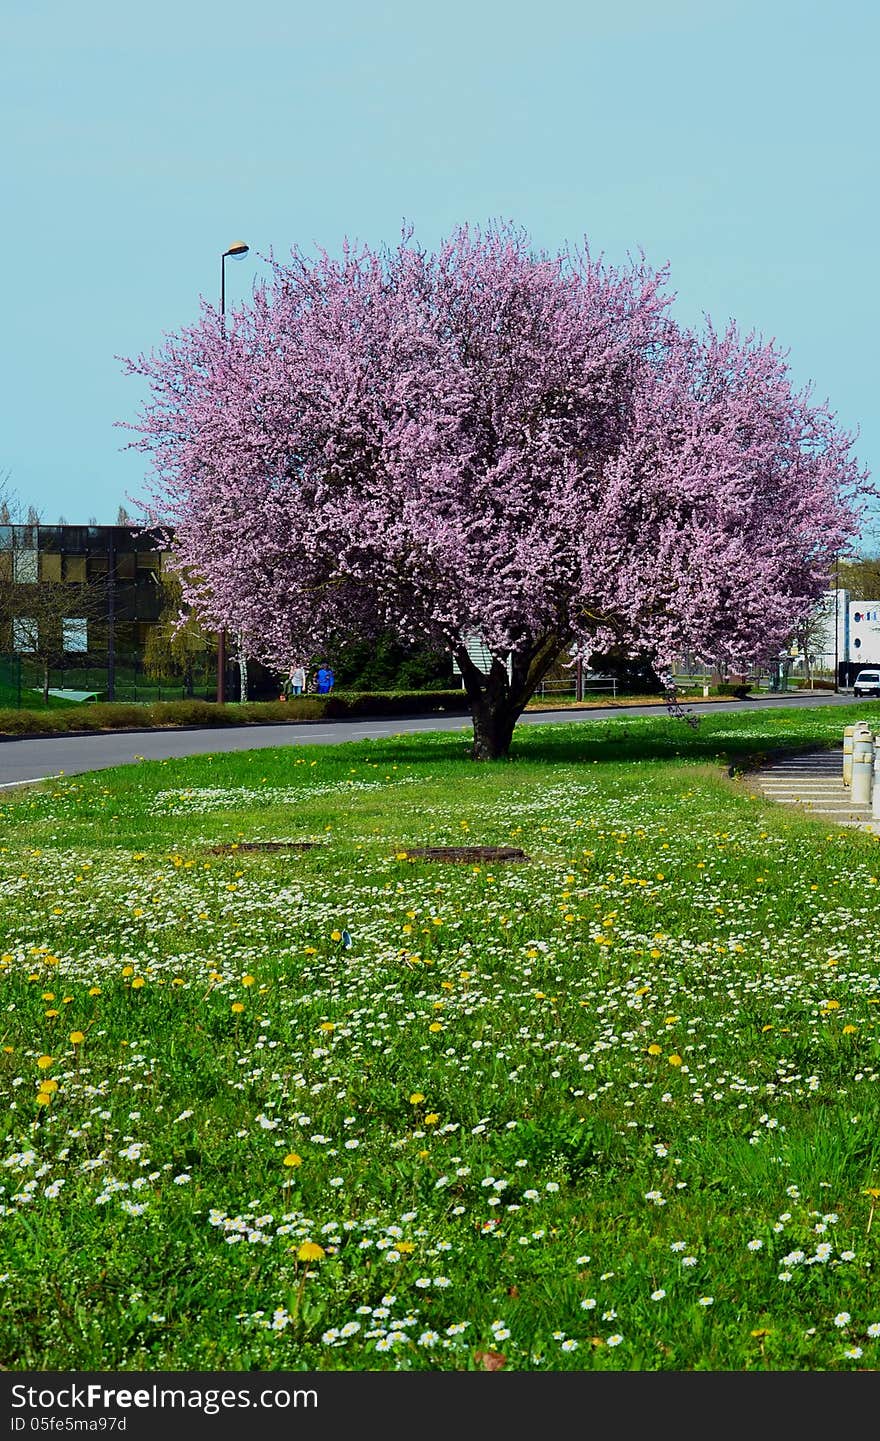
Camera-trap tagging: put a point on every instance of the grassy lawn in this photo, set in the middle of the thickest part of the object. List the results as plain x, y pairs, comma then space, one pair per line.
615, 1107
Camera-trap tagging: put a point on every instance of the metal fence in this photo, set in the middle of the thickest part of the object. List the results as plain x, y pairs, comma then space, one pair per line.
22, 683
10, 681
580, 687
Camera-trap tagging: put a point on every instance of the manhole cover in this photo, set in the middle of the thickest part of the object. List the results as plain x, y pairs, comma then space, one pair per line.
264, 846
466, 854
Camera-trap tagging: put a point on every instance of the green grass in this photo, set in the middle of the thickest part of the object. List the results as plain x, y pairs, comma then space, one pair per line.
628, 1089
9, 698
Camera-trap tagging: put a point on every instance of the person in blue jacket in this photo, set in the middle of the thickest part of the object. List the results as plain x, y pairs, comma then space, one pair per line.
325, 680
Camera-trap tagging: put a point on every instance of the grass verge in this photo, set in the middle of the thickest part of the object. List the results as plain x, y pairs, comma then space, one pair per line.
335, 1108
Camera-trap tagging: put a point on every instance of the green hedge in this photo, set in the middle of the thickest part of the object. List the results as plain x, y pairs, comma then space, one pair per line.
160, 715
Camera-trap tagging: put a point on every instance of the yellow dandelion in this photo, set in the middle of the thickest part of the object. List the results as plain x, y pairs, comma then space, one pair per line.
655, 1050
77, 1037
237, 1007
128, 970
327, 1026
247, 980
416, 1098
49, 1086
310, 1251
435, 1026
850, 1030
292, 1159
43, 1098
44, 1062
137, 983
336, 935
675, 1059
432, 1118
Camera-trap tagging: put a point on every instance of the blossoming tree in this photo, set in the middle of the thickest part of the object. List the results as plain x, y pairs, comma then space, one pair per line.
490, 441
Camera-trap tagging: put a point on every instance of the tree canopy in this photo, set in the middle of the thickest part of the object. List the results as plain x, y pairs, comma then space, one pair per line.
491, 440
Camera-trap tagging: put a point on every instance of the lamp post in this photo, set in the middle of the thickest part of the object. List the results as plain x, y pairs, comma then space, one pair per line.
837, 620
237, 247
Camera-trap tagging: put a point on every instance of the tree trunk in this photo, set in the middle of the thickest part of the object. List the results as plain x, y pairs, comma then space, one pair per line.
494, 721
242, 662
45, 683
498, 699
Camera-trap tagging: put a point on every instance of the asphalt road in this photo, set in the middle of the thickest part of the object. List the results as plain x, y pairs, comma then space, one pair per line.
23, 761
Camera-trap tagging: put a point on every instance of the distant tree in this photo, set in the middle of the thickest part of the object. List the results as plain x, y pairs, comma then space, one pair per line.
123, 517
810, 637
9, 502
176, 645
860, 575
491, 441
34, 516
387, 663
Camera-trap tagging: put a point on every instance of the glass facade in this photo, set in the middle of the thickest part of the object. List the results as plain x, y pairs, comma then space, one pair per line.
115, 568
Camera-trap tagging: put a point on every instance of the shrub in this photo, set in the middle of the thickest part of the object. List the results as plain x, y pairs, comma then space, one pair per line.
390, 703
161, 715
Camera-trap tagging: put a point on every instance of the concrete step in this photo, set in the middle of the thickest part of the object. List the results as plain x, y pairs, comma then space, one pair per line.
814, 783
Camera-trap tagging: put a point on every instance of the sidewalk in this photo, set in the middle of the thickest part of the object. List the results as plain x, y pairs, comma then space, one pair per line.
814, 783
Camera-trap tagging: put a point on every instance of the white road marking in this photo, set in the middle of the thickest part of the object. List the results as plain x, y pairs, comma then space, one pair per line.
31, 781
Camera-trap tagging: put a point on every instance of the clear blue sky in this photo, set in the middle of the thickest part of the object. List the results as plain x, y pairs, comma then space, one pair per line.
738, 142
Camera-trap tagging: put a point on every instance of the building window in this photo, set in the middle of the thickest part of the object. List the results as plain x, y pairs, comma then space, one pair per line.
25, 567
50, 565
25, 635
75, 634
75, 568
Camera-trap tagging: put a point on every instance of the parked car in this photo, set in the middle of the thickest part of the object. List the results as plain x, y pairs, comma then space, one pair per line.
867, 682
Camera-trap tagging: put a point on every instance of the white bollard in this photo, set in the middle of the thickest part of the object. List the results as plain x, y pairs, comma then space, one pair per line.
847, 754
862, 776
863, 742
856, 732
875, 789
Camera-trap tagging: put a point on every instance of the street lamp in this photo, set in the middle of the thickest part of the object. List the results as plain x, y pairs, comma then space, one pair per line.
237, 247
